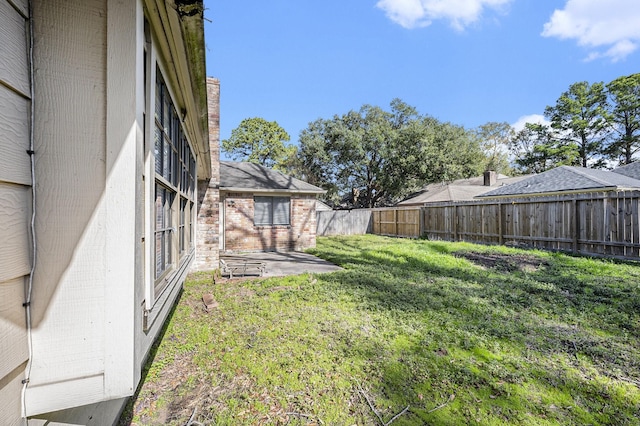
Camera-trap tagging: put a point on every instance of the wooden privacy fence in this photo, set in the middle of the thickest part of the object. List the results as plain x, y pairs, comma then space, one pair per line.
343, 222
397, 222
597, 223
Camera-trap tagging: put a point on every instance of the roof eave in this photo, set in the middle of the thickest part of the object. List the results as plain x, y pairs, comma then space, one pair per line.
272, 190
191, 14
180, 24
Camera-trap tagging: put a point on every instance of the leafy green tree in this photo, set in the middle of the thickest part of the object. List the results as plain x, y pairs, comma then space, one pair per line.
374, 157
451, 152
289, 162
536, 149
623, 116
578, 117
347, 152
259, 141
494, 140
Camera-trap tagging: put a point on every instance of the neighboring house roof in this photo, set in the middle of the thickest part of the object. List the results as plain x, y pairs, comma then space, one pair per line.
322, 206
458, 190
566, 179
631, 170
250, 177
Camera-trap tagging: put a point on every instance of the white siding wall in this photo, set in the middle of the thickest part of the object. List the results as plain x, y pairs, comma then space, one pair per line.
68, 297
89, 283
88, 341
15, 204
85, 142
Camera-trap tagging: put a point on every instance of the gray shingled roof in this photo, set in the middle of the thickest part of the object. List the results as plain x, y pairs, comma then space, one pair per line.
458, 190
631, 170
249, 177
566, 179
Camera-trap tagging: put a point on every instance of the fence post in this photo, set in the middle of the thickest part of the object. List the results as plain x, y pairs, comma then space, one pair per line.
395, 222
574, 224
500, 237
374, 226
455, 223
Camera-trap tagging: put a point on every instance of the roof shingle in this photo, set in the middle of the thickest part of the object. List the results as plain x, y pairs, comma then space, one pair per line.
237, 176
565, 179
631, 170
458, 190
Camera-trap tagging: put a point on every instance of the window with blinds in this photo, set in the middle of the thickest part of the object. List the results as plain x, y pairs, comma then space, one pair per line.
270, 211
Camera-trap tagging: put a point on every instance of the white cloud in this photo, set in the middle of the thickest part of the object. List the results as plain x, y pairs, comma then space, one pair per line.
621, 50
612, 25
532, 118
420, 13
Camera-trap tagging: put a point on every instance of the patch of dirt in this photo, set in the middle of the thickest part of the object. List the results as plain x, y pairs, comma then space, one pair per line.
245, 293
505, 262
442, 352
234, 287
203, 400
146, 402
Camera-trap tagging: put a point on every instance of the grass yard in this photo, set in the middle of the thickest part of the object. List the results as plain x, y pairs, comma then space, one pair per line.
458, 333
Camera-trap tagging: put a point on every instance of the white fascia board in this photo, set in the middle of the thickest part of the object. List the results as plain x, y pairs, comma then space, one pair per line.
271, 191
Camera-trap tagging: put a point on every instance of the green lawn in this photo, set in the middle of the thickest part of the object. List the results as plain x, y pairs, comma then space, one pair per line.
459, 333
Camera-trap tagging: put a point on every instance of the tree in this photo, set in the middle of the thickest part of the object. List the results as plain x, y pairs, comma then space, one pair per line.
623, 116
259, 141
345, 154
494, 140
451, 152
536, 149
578, 116
373, 157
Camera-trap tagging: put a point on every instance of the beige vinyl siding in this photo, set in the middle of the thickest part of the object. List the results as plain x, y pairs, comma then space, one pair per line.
21, 6
15, 204
13, 339
68, 296
15, 212
14, 67
10, 391
90, 332
85, 144
15, 164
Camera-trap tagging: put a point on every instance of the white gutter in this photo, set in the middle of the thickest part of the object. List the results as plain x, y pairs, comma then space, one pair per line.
271, 191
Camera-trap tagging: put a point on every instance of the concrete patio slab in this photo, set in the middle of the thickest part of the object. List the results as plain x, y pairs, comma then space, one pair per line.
281, 264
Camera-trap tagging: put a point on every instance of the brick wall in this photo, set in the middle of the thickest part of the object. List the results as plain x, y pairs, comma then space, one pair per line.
208, 227
242, 235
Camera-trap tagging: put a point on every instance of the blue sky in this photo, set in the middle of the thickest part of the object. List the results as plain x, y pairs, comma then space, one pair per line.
468, 62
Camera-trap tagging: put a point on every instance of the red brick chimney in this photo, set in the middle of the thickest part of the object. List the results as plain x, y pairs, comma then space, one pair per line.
490, 178
208, 226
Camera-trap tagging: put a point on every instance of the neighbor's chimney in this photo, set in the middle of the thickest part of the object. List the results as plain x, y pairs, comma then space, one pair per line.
490, 178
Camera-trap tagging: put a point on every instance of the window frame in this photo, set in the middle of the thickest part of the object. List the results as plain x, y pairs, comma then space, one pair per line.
172, 171
271, 203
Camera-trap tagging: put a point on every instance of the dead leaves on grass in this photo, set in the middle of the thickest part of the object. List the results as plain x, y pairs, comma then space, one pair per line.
373, 409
